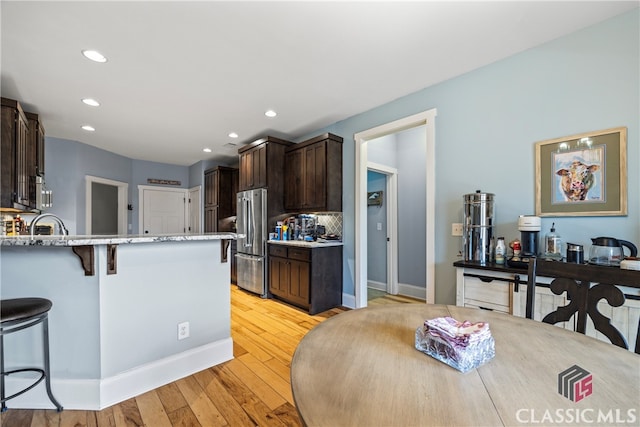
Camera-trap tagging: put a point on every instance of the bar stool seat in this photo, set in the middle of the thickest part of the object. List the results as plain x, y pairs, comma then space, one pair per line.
18, 314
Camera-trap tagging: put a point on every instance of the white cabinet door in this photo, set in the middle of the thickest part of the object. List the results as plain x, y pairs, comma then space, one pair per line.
545, 302
624, 318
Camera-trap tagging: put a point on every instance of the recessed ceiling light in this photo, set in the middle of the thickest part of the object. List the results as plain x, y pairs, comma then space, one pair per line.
88, 128
92, 102
94, 55
206, 150
233, 135
270, 113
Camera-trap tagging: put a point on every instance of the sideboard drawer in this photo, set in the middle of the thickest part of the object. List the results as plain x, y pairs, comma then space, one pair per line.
494, 294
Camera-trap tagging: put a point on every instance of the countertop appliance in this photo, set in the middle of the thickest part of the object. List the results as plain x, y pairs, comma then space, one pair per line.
529, 226
251, 221
477, 226
609, 251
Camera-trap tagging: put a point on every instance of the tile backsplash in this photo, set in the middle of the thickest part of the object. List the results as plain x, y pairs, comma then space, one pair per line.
331, 221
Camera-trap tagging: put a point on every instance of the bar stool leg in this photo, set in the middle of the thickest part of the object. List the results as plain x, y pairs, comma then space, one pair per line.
47, 378
2, 391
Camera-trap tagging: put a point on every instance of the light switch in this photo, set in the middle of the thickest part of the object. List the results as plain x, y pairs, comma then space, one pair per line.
379, 226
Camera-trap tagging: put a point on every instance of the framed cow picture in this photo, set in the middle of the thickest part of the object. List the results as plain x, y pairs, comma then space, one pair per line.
582, 175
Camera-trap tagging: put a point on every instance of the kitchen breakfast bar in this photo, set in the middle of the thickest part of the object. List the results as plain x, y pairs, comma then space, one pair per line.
118, 302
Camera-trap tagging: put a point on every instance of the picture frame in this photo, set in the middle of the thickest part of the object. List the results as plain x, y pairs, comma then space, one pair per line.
582, 175
374, 198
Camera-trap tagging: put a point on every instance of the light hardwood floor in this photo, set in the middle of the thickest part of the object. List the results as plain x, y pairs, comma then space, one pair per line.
253, 389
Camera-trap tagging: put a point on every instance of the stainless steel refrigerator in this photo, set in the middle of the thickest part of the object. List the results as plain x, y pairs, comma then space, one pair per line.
251, 221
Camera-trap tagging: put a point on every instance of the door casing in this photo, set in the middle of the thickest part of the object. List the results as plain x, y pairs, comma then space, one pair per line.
123, 190
391, 201
426, 118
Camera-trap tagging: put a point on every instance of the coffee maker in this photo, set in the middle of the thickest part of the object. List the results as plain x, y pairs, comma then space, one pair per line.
529, 226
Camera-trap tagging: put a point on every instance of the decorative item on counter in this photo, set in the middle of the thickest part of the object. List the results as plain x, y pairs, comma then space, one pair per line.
15, 226
552, 245
461, 345
500, 251
575, 253
492, 249
516, 247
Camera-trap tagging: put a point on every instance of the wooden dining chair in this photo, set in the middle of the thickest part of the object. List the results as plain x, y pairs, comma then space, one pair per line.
576, 280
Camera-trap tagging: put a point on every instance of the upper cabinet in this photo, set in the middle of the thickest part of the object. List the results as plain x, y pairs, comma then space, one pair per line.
220, 188
313, 175
262, 164
21, 157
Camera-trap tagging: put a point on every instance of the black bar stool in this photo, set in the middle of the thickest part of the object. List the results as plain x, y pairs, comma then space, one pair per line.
18, 314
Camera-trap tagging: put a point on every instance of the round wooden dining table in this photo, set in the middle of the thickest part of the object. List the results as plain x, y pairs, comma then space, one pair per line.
361, 368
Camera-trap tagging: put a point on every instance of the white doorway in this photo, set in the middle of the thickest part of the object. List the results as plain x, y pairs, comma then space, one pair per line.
427, 119
98, 210
164, 210
390, 226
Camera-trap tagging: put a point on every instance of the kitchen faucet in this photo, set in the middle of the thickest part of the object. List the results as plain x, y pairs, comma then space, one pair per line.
32, 226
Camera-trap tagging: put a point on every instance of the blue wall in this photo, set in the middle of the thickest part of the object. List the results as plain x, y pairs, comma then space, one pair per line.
488, 121
67, 164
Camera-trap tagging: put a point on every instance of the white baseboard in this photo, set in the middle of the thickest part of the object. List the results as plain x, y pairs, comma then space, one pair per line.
93, 395
377, 285
348, 301
412, 291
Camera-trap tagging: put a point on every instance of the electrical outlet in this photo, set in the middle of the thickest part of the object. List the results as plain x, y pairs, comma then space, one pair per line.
183, 330
456, 229
379, 226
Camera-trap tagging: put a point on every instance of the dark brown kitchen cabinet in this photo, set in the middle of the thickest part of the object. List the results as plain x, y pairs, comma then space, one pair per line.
211, 219
220, 188
14, 157
313, 175
309, 278
262, 164
35, 154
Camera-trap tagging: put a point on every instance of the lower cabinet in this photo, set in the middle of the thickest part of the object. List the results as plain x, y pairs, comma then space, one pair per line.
309, 278
506, 292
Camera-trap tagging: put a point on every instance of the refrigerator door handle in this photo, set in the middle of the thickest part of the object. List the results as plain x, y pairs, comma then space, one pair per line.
249, 223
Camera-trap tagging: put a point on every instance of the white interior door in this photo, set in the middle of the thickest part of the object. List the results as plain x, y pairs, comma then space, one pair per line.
193, 226
164, 210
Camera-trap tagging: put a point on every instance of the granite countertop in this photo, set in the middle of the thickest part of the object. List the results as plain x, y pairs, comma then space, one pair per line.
320, 243
58, 240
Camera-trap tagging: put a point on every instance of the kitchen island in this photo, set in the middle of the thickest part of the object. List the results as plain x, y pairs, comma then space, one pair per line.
117, 304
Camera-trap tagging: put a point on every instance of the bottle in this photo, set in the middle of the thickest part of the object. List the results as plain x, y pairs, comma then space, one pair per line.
552, 244
492, 249
501, 250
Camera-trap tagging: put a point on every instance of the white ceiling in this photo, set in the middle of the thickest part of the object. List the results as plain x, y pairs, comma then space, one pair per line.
182, 75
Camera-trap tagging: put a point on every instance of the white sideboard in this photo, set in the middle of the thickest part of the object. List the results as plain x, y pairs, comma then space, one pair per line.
503, 289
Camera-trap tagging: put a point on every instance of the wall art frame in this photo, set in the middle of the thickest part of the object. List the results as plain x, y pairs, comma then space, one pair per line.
374, 198
582, 175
